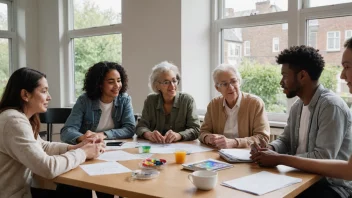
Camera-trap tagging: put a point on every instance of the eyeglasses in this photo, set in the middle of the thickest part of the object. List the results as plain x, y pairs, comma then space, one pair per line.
167, 82
226, 84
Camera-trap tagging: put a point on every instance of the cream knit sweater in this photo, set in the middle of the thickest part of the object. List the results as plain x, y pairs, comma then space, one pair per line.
21, 155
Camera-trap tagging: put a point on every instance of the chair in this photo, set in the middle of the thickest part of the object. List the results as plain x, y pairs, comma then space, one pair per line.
53, 116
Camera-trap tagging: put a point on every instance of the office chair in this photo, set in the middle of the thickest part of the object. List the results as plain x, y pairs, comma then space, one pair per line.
53, 116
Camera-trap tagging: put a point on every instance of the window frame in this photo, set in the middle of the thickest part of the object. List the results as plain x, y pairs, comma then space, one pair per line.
247, 45
335, 49
296, 17
72, 34
346, 32
276, 41
316, 39
11, 35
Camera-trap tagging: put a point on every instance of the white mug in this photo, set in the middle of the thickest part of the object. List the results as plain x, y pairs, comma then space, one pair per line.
204, 179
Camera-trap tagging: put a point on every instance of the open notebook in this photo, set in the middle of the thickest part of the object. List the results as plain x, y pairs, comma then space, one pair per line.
261, 183
235, 155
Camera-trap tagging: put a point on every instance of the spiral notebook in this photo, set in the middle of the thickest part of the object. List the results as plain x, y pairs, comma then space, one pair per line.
209, 164
235, 155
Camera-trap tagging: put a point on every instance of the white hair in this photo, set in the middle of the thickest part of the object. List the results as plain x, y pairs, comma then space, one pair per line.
159, 69
226, 68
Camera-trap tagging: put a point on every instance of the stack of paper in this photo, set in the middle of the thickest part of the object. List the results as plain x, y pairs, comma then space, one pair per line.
235, 155
104, 168
261, 183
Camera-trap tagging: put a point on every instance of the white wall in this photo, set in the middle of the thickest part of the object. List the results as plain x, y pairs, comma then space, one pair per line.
151, 34
195, 50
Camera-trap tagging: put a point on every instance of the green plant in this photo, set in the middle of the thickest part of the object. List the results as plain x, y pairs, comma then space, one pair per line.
329, 77
263, 80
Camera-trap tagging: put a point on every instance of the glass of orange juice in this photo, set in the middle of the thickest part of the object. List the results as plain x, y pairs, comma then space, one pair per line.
180, 156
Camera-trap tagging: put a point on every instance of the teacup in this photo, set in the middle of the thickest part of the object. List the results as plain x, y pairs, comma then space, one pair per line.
204, 179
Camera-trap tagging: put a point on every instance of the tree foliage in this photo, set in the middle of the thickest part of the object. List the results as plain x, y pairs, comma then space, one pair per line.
263, 80
90, 50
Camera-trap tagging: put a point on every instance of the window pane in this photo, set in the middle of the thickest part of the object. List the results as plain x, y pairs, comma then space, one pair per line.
90, 50
4, 63
331, 75
317, 3
261, 75
92, 13
239, 8
3, 17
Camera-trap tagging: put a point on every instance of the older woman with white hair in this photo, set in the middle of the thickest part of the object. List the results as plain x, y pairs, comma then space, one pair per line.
168, 115
235, 119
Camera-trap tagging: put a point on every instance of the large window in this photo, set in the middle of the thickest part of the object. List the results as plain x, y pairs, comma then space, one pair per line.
331, 28
259, 71
333, 41
324, 25
240, 8
7, 40
95, 35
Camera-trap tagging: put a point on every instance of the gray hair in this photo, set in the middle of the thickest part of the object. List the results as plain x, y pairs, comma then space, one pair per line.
159, 69
226, 68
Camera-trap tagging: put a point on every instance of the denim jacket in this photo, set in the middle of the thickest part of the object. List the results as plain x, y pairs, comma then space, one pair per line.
329, 133
86, 114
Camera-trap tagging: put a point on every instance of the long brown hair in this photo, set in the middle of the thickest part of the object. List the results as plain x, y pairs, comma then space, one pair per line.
27, 79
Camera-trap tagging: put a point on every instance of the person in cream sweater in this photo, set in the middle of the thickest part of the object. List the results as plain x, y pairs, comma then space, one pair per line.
22, 151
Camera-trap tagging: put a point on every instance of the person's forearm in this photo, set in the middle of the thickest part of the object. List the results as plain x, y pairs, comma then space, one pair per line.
330, 168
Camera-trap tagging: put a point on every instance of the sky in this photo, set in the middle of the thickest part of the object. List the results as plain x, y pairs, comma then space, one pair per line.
240, 5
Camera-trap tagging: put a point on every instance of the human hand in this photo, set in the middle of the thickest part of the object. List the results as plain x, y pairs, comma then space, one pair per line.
222, 142
268, 158
93, 150
172, 136
262, 146
154, 136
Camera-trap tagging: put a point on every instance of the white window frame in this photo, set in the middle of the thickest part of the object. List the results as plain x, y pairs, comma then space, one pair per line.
346, 32
237, 50
316, 39
79, 33
337, 36
247, 46
296, 16
11, 35
276, 41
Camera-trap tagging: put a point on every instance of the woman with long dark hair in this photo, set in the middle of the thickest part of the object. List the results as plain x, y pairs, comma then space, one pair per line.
22, 151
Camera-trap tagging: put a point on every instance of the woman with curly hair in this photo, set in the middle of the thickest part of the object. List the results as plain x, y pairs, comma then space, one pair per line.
104, 111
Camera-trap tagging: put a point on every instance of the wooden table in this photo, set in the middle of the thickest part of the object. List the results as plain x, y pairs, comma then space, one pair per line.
173, 181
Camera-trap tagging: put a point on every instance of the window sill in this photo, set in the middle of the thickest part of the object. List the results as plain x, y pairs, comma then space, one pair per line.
333, 50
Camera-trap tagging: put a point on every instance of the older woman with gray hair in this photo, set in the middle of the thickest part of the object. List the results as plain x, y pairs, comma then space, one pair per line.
168, 115
235, 119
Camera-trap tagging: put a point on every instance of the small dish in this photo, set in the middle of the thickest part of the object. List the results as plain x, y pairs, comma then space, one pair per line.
145, 174
152, 163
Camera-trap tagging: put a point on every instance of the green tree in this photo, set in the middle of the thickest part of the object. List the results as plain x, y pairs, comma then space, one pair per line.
263, 80
90, 50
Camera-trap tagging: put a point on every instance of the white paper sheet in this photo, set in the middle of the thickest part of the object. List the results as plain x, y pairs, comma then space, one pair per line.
104, 168
171, 148
241, 154
261, 183
118, 156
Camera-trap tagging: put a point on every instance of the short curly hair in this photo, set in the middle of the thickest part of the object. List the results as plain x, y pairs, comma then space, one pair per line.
348, 44
95, 77
301, 58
